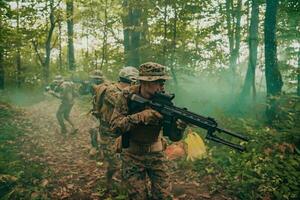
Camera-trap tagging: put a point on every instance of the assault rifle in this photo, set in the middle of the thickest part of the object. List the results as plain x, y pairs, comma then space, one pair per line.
52, 87
162, 103
85, 86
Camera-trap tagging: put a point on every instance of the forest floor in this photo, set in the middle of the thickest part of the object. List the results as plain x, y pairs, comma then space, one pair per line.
67, 169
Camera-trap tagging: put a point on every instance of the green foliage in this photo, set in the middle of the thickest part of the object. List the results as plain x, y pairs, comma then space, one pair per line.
18, 177
268, 169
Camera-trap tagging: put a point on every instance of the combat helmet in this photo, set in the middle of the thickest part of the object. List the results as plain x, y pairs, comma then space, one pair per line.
151, 71
58, 78
97, 73
97, 76
128, 74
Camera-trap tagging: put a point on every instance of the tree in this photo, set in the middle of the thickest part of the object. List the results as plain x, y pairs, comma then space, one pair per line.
104, 43
19, 43
70, 23
3, 7
253, 43
174, 38
132, 32
233, 19
273, 76
46, 62
1, 67
298, 74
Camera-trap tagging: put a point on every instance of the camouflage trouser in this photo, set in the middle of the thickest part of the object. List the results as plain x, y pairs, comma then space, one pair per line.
110, 156
94, 137
62, 114
135, 169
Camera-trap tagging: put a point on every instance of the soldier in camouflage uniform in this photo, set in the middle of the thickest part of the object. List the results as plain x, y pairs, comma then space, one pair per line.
86, 87
144, 156
64, 90
107, 101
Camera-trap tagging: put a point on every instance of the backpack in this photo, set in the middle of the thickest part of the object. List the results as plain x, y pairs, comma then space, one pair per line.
98, 98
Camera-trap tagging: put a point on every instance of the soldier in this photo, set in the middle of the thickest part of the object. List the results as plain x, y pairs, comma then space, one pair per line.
96, 78
145, 155
64, 90
104, 103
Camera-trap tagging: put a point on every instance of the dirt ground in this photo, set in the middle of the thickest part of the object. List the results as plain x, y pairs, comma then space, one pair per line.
73, 173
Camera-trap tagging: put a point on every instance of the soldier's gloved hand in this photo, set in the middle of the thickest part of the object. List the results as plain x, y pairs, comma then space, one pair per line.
181, 125
148, 116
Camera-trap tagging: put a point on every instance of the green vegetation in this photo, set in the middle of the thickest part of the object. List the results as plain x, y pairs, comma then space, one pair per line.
270, 166
235, 60
19, 177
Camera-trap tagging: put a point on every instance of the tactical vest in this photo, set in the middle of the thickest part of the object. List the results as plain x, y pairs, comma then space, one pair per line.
142, 134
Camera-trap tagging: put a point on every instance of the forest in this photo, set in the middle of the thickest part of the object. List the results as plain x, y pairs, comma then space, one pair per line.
237, 61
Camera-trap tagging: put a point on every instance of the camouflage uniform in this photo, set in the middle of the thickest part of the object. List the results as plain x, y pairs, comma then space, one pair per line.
64, 90
144, 156
107, 139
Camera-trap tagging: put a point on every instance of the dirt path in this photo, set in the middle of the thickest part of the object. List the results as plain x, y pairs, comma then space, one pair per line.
72, 173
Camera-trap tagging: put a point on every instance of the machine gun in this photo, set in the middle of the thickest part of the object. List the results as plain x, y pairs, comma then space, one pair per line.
162, 103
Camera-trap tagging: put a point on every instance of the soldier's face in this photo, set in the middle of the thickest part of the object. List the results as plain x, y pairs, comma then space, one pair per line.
154, 86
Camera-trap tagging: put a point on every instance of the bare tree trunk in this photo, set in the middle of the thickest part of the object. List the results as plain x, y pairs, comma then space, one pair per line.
253, 43
273, 76
70, 24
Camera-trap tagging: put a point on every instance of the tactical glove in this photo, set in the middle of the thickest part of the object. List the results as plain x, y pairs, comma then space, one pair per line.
148, 116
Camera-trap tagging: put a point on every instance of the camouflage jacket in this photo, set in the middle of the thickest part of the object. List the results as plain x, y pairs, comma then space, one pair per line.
110, 99
122, 121
66, 92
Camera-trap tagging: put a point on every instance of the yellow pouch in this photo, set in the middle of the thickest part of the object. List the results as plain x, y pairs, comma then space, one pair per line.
195, 147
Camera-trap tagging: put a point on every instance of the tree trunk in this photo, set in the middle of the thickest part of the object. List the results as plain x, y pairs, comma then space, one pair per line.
104, 45
132, 32
18, 55
237, 37
48, 43
174, 44
70, 24
135, 37
60, 65
233, 19
298, 73
273, 77
126, 30
1, 68
145, 52
165, 33
18, 62
253, 43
